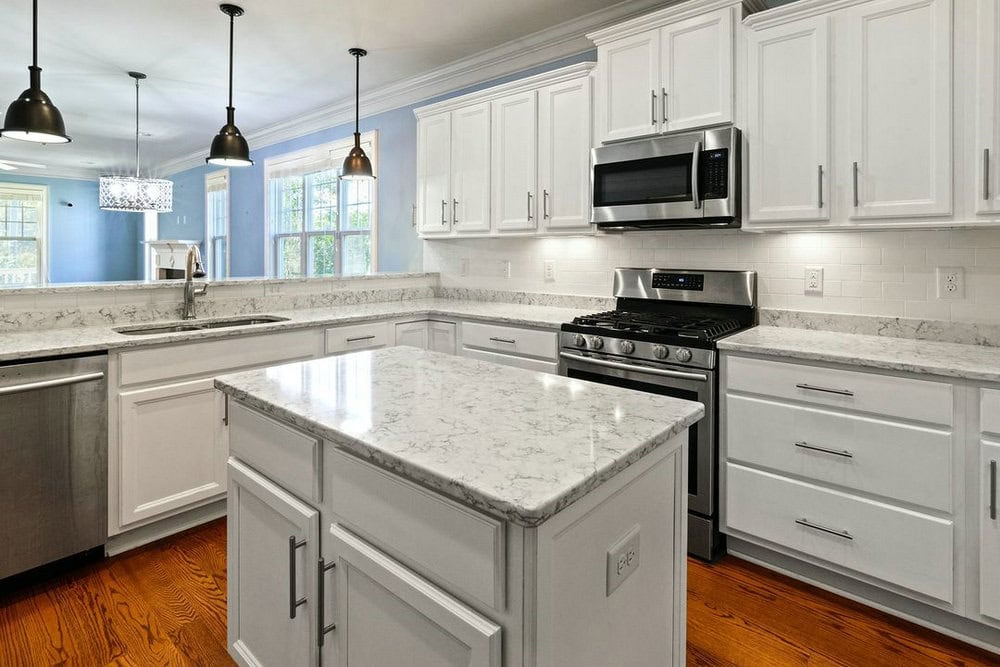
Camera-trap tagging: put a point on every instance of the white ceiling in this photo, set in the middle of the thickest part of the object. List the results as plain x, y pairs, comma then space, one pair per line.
291, 58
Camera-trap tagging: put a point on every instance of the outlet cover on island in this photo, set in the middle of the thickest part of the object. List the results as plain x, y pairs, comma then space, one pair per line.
549, 270
623, 559
814, 280
950, 282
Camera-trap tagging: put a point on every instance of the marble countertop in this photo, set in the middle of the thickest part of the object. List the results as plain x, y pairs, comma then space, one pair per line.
956, 360
55, 342
523, 445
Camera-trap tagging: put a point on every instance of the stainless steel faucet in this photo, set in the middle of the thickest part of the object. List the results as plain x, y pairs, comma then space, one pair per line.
193, 269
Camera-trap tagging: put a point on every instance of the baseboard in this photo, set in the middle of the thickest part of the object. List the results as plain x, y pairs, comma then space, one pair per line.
137, 537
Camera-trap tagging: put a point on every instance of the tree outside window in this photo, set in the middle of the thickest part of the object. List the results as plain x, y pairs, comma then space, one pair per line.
22, 234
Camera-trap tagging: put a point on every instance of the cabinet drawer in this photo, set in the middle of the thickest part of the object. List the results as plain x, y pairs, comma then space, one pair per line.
358, 337
292, 459
510, 340
215, 356
898, 546
901, 461
510, 360
919, 400
441, 539
989, 411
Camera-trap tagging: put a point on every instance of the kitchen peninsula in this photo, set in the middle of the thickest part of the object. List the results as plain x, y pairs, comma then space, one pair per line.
530, 519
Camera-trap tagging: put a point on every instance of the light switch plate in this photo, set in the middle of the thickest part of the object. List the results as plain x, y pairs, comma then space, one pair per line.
814, 280
505, 268
549, 270
623, 559
465, 266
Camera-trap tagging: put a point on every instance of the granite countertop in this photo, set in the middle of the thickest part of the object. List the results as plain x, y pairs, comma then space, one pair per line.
970, 362
55, 342
523, 445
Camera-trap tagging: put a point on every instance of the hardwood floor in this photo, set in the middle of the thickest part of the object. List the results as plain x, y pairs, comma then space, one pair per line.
165, 604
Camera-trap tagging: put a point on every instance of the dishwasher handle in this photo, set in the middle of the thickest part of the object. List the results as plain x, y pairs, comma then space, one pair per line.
48, 384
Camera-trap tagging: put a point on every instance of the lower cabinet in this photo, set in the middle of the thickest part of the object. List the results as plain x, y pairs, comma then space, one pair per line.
520, 347
413, 334
989, 530
433, 335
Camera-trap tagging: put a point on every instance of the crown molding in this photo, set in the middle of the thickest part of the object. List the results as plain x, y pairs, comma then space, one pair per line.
68, 173
670, 14
545, 46
797, 10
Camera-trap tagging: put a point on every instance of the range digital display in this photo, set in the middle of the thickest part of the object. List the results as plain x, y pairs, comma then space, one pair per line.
679, 281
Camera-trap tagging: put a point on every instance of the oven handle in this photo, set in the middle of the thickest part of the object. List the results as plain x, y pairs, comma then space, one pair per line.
680, 375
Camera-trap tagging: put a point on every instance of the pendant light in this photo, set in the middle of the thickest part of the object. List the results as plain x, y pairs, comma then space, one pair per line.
229, 148
132, 193
32, 116
357, 166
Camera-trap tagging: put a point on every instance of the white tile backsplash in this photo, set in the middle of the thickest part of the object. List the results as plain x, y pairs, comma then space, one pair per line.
890, 273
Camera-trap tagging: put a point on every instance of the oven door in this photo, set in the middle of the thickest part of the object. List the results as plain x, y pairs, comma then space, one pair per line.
688, 384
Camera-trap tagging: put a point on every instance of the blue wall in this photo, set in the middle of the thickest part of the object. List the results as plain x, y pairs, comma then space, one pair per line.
86, 244
399, 248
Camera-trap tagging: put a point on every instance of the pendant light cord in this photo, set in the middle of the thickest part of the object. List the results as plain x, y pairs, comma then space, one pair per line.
357, 92
137, 127
232, 23
34, 33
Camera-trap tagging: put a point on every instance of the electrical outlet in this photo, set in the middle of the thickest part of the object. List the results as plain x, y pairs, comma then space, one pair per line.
549, 270
505, 268
814, 280
623, 559
950, 282
465, 266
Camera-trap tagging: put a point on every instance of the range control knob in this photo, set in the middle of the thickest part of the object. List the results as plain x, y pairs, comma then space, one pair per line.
683, 355
580, 340
661, 351
597, 342
626, 346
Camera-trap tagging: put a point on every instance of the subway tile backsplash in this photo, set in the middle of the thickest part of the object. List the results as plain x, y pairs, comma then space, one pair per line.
883, 273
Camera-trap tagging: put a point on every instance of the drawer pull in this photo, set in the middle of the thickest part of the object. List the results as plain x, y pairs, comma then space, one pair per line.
509, 341
815, 448
359, 338
823, 529
993, 490
322, 628
825, 390
293, 602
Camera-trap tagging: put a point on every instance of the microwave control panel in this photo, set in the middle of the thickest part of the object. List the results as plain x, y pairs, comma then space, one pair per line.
714, 176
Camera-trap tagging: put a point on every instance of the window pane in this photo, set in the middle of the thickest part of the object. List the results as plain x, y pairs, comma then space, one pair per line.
322, 254
359, 217
18, 262
287, 204
357, 254
219, 258
289, 259
322, 201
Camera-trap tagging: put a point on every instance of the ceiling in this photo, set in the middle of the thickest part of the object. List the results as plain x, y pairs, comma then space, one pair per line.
291, 58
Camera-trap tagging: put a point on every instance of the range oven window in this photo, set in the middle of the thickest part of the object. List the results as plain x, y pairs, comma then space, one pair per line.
659, 180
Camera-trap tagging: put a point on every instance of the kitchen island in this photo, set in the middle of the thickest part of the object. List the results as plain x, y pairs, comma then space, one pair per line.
406, 507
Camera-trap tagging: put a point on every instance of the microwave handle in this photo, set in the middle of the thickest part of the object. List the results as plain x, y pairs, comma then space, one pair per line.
695, 156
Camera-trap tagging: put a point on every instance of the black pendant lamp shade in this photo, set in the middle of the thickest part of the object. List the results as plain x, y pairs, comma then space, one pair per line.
229, 147
357, 166
32, 116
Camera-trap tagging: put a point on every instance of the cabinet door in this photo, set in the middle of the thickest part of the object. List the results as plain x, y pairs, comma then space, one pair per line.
628, 81
696, 71
470, 169
986, 189
273, 549
172, 449
989, 531
899, 59
434, 173
441, 337
788, 121
515, 161
564, 154
413, 334
376, 598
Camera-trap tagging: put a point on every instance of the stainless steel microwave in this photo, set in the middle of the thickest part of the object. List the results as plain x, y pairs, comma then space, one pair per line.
681, 181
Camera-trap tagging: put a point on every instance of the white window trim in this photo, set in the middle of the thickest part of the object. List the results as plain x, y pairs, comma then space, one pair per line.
211, 179
334, 153
43, 226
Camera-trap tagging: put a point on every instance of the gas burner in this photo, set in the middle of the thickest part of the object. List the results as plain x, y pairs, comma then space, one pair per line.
661, 324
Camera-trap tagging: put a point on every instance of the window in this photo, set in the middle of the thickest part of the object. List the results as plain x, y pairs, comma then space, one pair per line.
319, 224
217, 224
22, 234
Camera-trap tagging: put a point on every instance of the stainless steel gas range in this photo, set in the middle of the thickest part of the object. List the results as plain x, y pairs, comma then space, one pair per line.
661, 338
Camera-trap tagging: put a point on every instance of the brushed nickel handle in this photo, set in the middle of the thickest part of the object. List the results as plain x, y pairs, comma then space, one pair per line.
652, 107
664, 103
322, 629
359, 338
293, 602
825, 390
48, 384
857, 202
816, 448
993, 490
633, 368
444, 212
545, 204
530, 216
986, 173
824, 529
225, 410
509, 341
695, 157
454, 211
819, 185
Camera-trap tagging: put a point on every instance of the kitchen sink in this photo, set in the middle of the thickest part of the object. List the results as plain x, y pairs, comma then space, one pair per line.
197, 325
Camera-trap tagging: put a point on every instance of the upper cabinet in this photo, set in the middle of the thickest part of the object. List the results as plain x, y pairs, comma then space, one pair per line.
986, 148
667, 71
509, 160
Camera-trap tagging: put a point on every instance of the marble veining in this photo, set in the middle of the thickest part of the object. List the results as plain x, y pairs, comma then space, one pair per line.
971, 362
522, 445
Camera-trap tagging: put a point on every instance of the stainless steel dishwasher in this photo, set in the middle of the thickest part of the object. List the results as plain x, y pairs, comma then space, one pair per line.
53, 460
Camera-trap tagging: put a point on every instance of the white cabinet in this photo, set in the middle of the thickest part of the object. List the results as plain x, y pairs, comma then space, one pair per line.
367, 336
628, 87
515, 161
441, 337
898, 58
273, 549
696, 71
564, 134
413, 334
989, 530
788, 121
434, 174
986, 149
470, 169
387, 615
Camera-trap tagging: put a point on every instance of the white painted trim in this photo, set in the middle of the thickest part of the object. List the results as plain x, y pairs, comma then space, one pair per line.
212, 178
43, 224
795, 11
670, 14
545, 46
